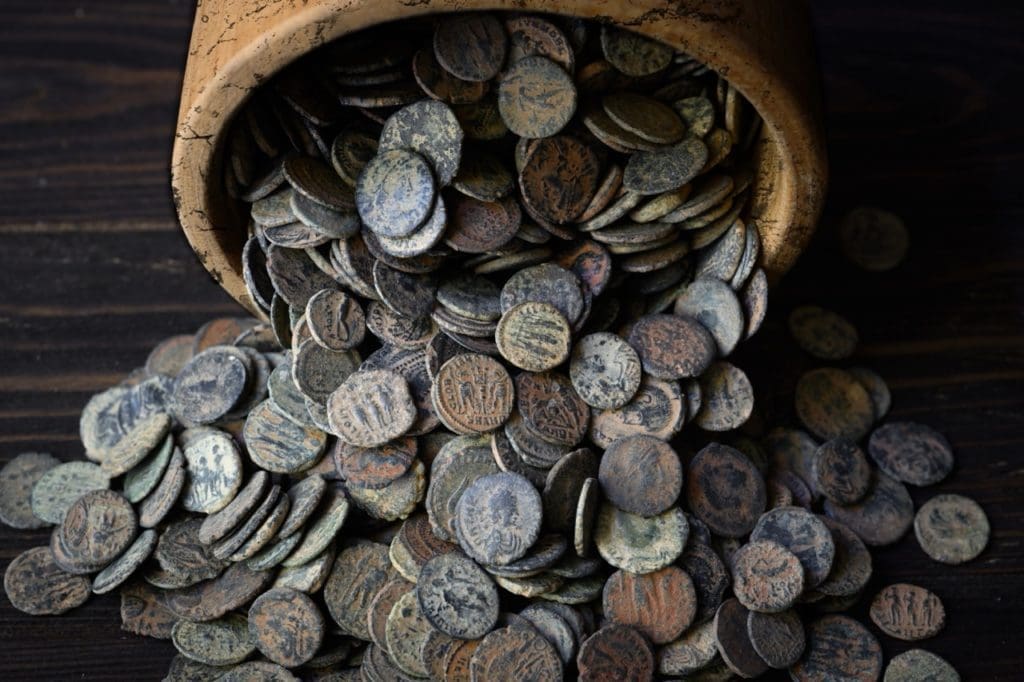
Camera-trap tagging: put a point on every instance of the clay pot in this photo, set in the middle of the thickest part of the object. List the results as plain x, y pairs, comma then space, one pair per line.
763, 47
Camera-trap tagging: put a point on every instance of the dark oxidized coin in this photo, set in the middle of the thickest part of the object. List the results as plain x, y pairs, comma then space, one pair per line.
499, 518
841, 471
515, 652
664, 170
709, 574
559, 178
96, 529
672, 347
725, 490
471, 46
833, 404
36, 585
615, 652
951, 528
882, 516
641, 475
457, 596
838, 647
477, 226
733, 641
287, 626
441, 85
912, 453
802, 533
536, 97
778, 638
335, 320
17, 479
727, 398
429, 128
210, 385
822, 333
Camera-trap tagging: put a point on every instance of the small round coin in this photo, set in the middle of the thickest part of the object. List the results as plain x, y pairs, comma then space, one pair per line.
634, 54
874, 239
713, 304
471, 46
225, 641
727, 398
831, 403
725, 490
395, 192
559, 178
457, 596
499, 518
822, 333
473, 393
605, 370
214, 472
429, 128
912, 453
277, 444
882, 516
210, 385
97, 528
841, 471
733, 641
641, 475
951, 529
551, 407
515, 652
672, 347
533, 336
802, 533
287, 626
536, 97
17, 479
36, 585
637, 544
908, 612
335, 320
371, 407
406, 632
767, 577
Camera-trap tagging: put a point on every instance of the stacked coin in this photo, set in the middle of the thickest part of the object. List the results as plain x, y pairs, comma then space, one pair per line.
488, 429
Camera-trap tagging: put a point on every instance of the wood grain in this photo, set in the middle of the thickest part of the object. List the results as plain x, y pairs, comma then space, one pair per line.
923, 102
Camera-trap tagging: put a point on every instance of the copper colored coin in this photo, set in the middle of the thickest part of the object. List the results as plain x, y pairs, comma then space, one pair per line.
142, 612
590, 262
725, 490
406, 632
727, 398
559, 178
641, 475
440, 84
841, 471
473, 393
615, 652
471, 46
551, 407
477, 226
287, 626
831, 403
882, 516
515, 652
36, 585
378, 466
838, 647
908, 612
371, 407
672, 347
407, 294
97, 528
767, 577
657, 409
395, 192
210, 599
534, 336
778, 638
398, 330
912, 453
802, 533
660, 605
733, 641
457, 596
380, 605
335, 320
536, 97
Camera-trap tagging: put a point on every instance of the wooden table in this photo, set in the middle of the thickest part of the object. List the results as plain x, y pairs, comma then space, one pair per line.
924, 115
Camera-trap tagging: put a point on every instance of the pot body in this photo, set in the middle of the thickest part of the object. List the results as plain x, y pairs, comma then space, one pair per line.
764, 48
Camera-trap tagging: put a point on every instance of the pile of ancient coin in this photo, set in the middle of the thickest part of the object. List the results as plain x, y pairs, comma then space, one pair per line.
488, 431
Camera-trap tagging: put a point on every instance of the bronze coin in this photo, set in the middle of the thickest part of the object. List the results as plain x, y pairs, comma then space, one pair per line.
375, 467
714, 304
605, 370
181, 551
17, 478
882, 516
641, 475
210, 599
479, 226
532, 35
406, 294
545, 283
778, 638
441, 85
754, 297
392, 328
656, 409
359, 573
406, 633
322, 221
911, 452
534, 336
536, 97
831, 403
708, 573
481, 120
767, 577
498, 518
876, 387
560, 177
515, 652
471, 47
645, 116
563, 485
791, 450
371, 407
155, 506
96, 529
555, 629
457, 596
461, 461
473, 393
591, 264
733, 641
666, 169
727, 399
838, 647
335, 320
725, 490
210, 385
633, 54
418, 538
305, 496
484, 176
615, 652
429, 128
395, 192
918, 664
142, 612
822, 333
36, 585
279, 445
170, 355
272, 509
660, 605
951, 529
802, 533
873, 239
908, 612
471, 296
122, 568
317, 182
692, 653
672, 347
551, 407
841, 471
851, 567
380, 606
287, 626
640, 544
295, 277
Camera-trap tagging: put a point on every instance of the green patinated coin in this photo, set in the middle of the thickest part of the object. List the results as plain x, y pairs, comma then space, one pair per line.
279, 445
406, 632
359, 573
918, 665
287, 626
690, 653
142, 479
224, 641
308, 577
17, 479
951, 529
328, 521
637, 544
305, 497
145, 437
161, 500
318, 371
533, 336
125, 565
210, 385
181, 552
315, 180
95, 530
664, 170
429, 128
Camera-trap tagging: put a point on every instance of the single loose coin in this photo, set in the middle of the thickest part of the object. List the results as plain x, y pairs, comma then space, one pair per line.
641, 475
672, 347
533, 336
778, 638
457, 596
473, 393
471, 46
478, 226
97, 528
605, 370
725, 490
36, 585
633, 54
802, 533
559, 178
727, 398
335, 320
536, 97
406, 633
657, 409
214, 472
733, 641
882, 516
951, 529
17, 479
713, 303
429, 128
499, 518
908, 612
873, 238
911, 452
395, 192
125, 565
287, 626
831, 403
371, 407
841, 471
515, 652
615, 652
838, 647
551, 407
279, 445
661, 605
822, 333
638, 544
210, 385
767, 577
666, 169
916, 665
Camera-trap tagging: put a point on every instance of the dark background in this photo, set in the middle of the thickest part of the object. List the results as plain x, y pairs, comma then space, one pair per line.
925, 117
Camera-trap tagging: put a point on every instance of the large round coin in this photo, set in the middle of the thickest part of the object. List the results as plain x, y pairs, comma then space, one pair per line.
457, 596
395, 192
498, 518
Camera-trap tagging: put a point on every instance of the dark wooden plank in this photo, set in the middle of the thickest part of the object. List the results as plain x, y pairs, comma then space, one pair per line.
923, 102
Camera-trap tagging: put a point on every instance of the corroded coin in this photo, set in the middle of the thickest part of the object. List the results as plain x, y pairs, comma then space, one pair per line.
533, 336
615, 652
407, 294
142, 612
395, 192
529, 35
143, 438
257, 670
457, 596
708, 572
36, 585
605, 370
122, 568
498, 518
406, 633
429, 128
335, 320
692, 652
876, 387
851, 566
951, 529
873, 238
224, 641
473, 393
672, 347
295, 277
441, 85
155, 506
551, 407
645, 116
778, 638
471, 296
713, 303
277, 444
586, 512
17, 479
471, 47
144, 477
460, 462
882, 516
666, 169
555, 629
641, 475
380, 606
100, 425
375, 467
315, 180
822, 333
96, 529
179, 551
324, 527
911, 452
536, 97
359, 573
802, 533
657, 409
515, 652
918, 664
210, 599
638, 544
831, 403
559, 178
767, 577
733, 641
661, 605
725, 490
395, 329
908, 612
214, 472
210, 385
371, 407
727, 398
841, 471
563, 485
318, 371
754, 297
838, 647
287, 626
634, 54
219, 524
545, 283
308, 577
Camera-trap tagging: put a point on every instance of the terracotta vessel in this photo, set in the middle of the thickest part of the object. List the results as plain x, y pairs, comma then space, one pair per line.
764, 47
